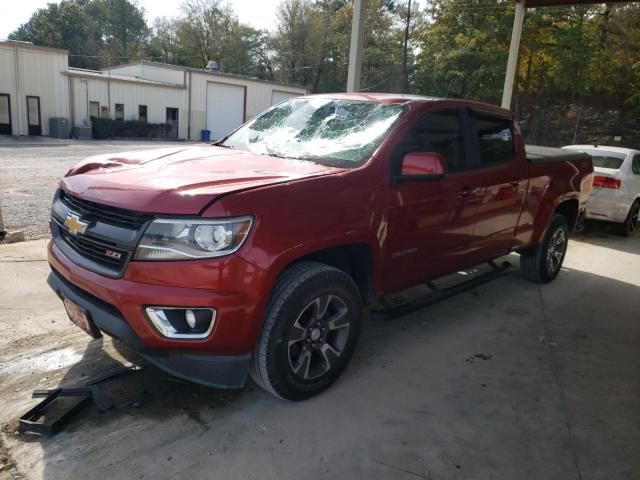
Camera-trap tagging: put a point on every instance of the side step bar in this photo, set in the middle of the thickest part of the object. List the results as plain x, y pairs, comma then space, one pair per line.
437, 294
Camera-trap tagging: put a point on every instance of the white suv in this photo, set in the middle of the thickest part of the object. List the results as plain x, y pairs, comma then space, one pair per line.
616, 185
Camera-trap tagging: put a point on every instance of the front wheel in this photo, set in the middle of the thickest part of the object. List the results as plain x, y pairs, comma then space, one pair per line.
310, 331
542, 264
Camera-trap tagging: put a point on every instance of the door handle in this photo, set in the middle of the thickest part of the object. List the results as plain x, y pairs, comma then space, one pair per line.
464, 192
515, 182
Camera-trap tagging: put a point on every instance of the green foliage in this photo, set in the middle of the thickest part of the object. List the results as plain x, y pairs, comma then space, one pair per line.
94, 31
455, 48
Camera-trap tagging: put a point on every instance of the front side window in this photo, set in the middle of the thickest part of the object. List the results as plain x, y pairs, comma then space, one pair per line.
328, 131
440, 132
495, 139
119, 111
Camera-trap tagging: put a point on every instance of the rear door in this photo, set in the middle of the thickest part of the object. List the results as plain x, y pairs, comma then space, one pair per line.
503, 178
430, 224
33, 116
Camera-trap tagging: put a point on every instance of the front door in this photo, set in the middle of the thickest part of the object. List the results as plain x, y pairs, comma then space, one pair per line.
172, 122
430, 224
504, 183
33, 116
5, 114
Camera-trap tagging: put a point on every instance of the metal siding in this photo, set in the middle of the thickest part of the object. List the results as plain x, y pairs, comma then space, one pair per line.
8, 81
149, 72
39, 75
258, 97
156, 98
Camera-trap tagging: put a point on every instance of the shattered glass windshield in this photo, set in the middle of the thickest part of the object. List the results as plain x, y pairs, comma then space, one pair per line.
331, 132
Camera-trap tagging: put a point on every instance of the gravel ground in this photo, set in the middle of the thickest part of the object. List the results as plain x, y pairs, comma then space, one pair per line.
29, 173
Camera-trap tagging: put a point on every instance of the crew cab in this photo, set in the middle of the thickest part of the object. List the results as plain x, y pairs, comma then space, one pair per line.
260, 254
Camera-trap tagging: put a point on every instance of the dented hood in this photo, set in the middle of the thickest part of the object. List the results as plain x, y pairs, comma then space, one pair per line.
180, 180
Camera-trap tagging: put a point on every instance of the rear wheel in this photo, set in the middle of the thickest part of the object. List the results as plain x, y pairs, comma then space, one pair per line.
542, 264
310, 331
630, 225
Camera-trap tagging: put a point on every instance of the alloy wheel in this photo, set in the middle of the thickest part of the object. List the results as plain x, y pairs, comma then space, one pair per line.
318, 337
556, 250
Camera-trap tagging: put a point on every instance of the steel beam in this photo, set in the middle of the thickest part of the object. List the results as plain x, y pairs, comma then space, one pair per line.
514, 48
358, 26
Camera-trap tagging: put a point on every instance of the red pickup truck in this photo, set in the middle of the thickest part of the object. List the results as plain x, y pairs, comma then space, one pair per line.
260, 254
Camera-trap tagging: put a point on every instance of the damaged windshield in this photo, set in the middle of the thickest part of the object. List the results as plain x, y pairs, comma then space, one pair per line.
331, 132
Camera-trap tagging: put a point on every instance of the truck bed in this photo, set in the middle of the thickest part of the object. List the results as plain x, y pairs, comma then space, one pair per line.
539, 154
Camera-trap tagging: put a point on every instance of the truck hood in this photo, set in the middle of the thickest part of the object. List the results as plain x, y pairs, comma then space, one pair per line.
181, 180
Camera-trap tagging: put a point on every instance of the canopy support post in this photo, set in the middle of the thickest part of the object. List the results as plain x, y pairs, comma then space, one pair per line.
358, 26
514, 48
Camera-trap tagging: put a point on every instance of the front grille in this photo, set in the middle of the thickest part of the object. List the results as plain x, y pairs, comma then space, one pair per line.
99, 251
109, 238
90, 211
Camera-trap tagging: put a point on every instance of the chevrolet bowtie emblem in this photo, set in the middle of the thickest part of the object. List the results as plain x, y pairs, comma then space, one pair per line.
74, 224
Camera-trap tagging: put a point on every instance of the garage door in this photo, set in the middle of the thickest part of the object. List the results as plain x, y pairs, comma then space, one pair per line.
225, 108
278, 96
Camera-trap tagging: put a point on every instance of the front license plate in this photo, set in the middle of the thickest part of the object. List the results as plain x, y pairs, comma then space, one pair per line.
81, 318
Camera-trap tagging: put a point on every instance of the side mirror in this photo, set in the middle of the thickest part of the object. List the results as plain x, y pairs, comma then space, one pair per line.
422, 167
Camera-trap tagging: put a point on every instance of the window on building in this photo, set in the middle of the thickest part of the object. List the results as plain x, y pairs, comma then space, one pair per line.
142, 113
495, 140
94, 110
119, 111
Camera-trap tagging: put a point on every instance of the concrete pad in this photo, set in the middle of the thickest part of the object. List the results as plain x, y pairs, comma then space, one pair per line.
508, 381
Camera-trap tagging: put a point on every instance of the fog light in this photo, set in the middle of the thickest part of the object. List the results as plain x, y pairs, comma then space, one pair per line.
190, 317
182, 323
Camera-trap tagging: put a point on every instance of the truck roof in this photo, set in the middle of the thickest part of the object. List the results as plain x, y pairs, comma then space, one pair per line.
401, 98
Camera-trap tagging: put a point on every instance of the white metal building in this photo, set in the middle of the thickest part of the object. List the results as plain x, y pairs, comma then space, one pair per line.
37, 84
32, 88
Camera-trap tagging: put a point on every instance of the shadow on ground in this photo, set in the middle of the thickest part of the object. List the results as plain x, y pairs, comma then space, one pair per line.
605, 234
510, 380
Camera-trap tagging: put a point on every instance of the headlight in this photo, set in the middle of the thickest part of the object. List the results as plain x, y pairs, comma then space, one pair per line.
169, 239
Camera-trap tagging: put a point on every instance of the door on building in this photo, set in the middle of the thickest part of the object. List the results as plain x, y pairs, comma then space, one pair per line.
33, 116
5, 114
172, 122
225, 108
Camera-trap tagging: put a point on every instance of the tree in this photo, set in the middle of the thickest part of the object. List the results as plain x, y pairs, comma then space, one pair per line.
66, 25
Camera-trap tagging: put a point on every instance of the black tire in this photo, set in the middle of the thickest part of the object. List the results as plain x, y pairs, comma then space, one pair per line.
299, 339
535, 262
631, 223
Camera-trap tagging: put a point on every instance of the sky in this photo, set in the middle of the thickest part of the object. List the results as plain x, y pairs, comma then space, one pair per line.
257, 13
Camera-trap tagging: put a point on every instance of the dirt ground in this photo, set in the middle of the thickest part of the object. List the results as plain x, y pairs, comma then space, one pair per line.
29, 173
508, 381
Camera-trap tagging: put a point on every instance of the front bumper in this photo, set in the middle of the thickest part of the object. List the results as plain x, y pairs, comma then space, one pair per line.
117, 305
223, 371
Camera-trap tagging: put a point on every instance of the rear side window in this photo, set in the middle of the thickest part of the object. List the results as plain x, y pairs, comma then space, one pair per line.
495, 139
635, 166
441, 132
